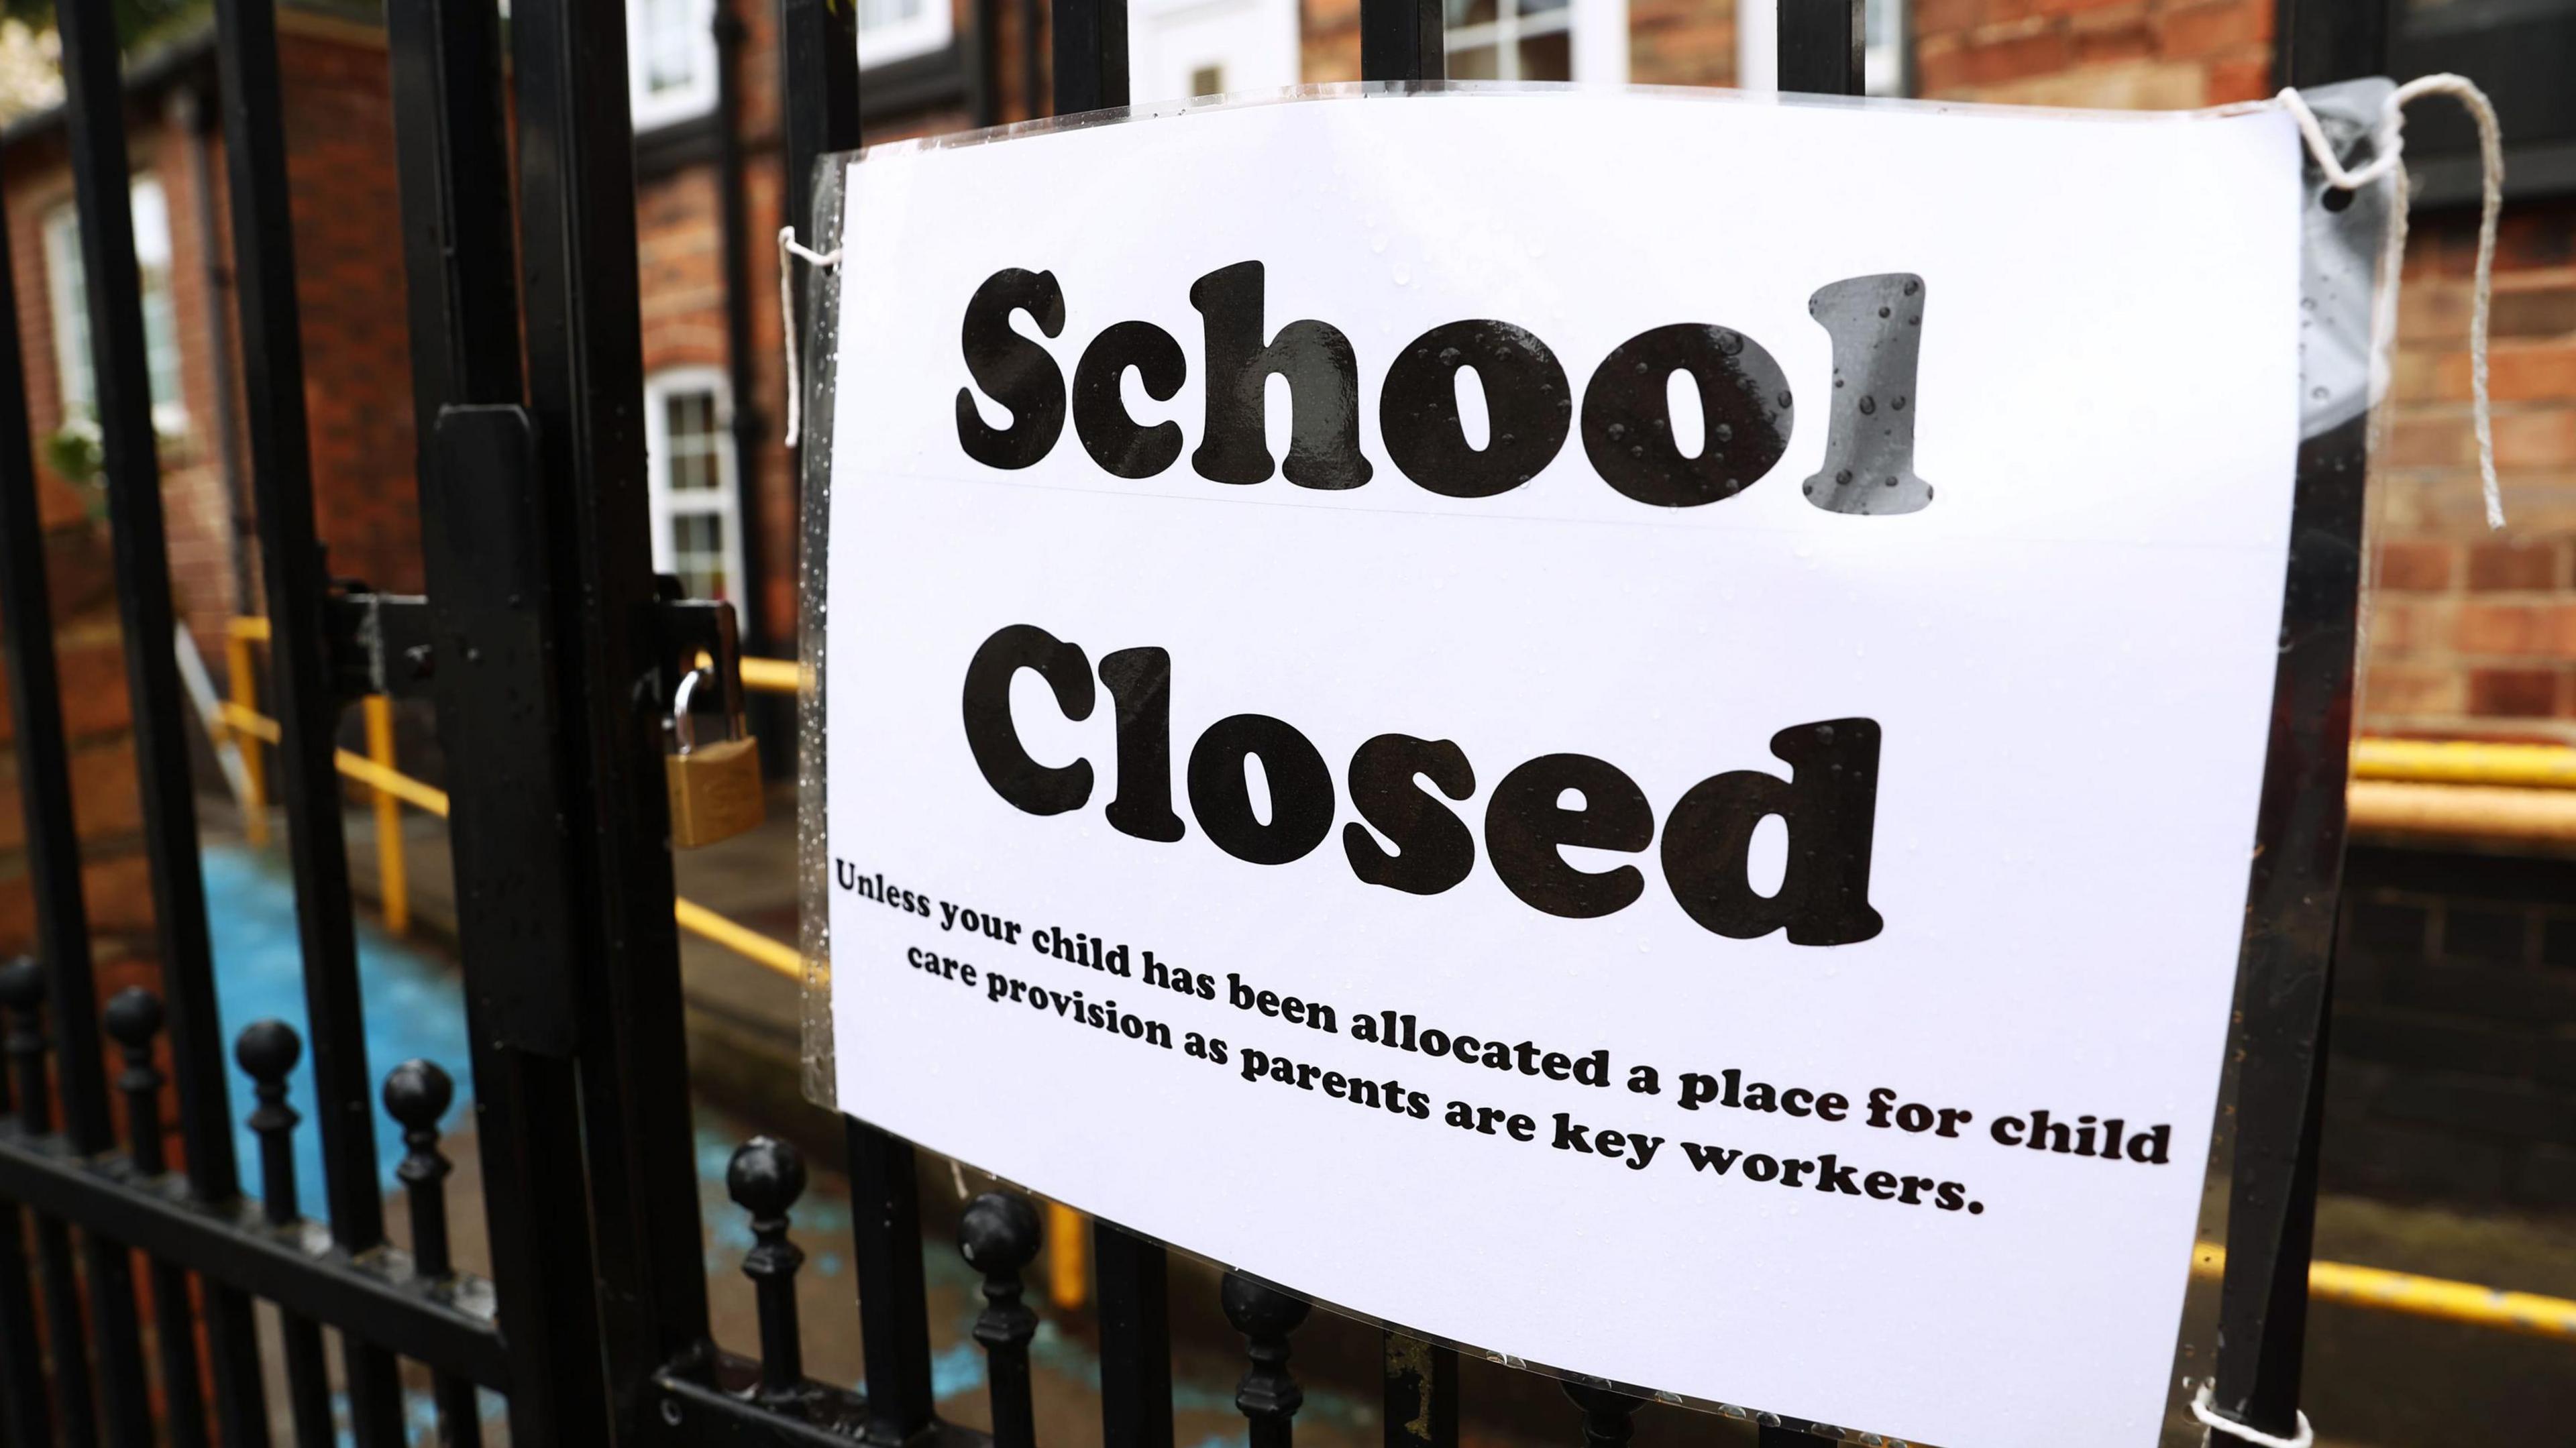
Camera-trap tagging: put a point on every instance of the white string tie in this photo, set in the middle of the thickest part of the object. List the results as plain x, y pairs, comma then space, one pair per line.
2211, 1419
2389, 148
789, 247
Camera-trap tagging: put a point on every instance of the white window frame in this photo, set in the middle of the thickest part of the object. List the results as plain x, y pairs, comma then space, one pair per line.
1883, 42
66, 288
725, 502
75, 387
698, 98
931, 31
1599, 29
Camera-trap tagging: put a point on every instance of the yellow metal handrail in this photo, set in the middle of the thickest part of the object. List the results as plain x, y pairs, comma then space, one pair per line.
2380, 1290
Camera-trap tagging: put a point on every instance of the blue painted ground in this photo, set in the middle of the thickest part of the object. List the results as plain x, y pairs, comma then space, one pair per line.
414, 1005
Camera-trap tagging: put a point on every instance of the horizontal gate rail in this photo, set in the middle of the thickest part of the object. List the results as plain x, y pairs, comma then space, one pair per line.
234, 1245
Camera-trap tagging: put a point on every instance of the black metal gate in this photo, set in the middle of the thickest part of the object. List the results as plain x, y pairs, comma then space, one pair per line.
546, 644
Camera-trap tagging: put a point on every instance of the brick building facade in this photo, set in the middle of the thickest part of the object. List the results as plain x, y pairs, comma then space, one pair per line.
340, 144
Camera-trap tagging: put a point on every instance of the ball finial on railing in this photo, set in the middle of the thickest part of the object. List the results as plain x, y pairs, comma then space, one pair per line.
999, 1233
268, 1050
132, 1018
1258, 1309
22, 984
998, 1236
1268, 1396
417, 1094
766, 1177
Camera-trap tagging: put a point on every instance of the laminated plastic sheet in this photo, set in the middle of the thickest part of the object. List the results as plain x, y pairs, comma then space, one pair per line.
2340, 377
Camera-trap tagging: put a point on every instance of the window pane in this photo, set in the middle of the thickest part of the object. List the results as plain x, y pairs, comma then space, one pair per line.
691, 442
1462, 13
698, 553
160, 307
883, 14
69, 293
1208, 80
1475, 63
1540, 7
1548, 57
693, 483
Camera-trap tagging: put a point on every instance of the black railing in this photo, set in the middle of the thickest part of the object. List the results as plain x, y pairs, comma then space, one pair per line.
546, 628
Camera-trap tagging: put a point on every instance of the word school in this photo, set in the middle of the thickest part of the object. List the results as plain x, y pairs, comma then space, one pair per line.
1630, 433
1829, 803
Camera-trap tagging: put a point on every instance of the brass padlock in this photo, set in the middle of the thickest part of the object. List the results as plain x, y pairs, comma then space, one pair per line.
715, 788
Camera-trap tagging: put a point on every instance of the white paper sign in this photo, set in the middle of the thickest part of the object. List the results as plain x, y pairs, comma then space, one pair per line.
1803, 907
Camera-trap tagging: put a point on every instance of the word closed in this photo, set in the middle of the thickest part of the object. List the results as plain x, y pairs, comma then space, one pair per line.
1828, 803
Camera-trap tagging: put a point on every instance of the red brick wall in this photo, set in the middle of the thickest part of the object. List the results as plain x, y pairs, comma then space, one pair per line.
2129, 54
349, 285
1681, 42
2475, 633
2472, 634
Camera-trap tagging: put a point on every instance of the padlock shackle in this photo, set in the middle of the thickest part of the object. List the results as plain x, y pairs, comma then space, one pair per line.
684, 726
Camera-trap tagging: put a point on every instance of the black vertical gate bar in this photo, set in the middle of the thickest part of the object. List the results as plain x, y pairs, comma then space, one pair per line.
586, 391
1032, 59
1403, 40
1090, 55
818, 65
1406, 40
95, 109
22, 996
44, 791
734, 234
306, 707
820, 68
894, 1302
133, 1018
2290, 905
2321, 41
1820, 53
1820, 47
24, 1417
984, 59
460, 260
1131, 1277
